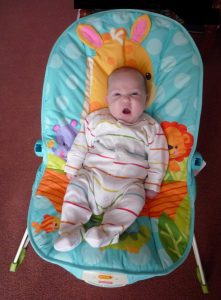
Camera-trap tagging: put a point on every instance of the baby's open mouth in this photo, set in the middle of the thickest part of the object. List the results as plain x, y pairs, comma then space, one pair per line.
126, 111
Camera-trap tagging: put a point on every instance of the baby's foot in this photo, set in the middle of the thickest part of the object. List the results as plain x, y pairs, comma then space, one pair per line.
96, 237
68, 241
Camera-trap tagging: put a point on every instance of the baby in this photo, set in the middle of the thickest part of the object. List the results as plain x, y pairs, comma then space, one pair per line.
118, 159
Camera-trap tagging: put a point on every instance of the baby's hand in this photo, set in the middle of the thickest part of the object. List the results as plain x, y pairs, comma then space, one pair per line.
150, 194
70, 176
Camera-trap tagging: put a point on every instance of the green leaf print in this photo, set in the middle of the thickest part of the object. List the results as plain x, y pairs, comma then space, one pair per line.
55, 162
132, 242
179, 175
171, 238
182, 218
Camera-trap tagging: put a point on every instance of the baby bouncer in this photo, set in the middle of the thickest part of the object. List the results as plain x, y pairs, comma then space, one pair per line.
161, 238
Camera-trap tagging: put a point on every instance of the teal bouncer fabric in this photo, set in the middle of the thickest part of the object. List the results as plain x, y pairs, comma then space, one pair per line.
80, 61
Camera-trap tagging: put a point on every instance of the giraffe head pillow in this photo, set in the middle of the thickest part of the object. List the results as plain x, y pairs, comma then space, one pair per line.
115, 49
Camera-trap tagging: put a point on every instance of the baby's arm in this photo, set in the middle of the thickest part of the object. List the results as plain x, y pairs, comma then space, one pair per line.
76, 154
158, 157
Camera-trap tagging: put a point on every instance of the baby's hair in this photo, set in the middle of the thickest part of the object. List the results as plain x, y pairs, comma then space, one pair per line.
130, 69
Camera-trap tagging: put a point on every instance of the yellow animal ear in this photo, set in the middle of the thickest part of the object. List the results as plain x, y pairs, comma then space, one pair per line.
187, 138
89, 36
140, 29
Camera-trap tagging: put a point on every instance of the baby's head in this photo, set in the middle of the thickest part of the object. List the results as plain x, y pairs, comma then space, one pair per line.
127, 94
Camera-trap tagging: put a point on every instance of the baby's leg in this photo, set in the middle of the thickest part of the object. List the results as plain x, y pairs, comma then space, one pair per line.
118, 217
75, 213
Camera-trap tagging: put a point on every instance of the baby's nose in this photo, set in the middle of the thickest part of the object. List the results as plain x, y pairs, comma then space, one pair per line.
126, 98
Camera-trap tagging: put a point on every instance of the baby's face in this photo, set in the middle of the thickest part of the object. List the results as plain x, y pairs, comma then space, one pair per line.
126, 96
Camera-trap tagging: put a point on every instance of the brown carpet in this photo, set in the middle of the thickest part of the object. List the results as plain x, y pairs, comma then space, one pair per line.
28, 31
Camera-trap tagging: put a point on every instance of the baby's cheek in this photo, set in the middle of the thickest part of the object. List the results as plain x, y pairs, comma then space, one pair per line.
138, 108
114, 109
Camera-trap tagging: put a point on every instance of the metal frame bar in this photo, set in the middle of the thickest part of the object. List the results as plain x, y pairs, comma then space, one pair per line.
24, 243
202, 278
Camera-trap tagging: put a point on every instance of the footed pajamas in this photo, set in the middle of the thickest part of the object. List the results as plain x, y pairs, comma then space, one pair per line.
113, 163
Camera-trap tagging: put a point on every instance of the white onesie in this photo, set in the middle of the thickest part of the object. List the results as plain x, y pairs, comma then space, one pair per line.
114, 162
